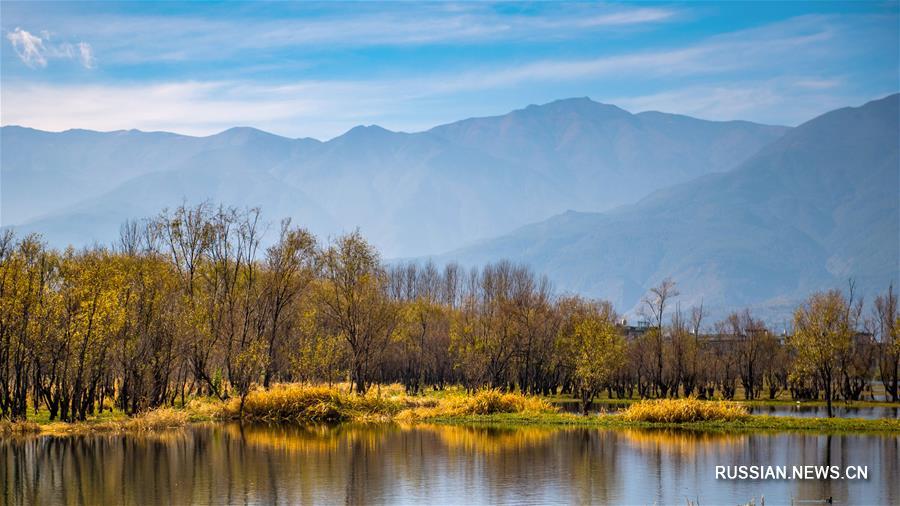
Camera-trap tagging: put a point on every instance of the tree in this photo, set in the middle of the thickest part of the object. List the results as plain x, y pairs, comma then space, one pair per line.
186, 234
824, 327
354, 302
751, 341
484, 335
886, 329
290, 268
654, 306
599, 352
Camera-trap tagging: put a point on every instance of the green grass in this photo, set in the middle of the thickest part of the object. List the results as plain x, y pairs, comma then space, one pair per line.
751, 423
781, 401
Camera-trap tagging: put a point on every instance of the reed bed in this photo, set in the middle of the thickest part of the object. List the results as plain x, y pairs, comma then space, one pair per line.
684, 411
485, 402
157, 419
8, 428
312, 404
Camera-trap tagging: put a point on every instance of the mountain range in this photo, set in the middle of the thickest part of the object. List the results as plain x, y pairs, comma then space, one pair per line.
810, 211
410, 193
737, 213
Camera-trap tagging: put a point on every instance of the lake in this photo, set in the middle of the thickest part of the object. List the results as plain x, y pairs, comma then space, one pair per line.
218, 464
798, 410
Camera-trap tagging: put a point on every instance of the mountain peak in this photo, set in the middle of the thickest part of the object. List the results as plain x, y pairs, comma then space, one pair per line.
362, 132
577, 105
242, 131
244, 135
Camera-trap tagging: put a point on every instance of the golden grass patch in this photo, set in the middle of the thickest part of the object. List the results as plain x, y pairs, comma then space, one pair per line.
485, 402
305, 404
684, 411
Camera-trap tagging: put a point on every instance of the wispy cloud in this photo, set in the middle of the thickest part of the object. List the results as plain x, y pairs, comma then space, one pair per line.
793, 41
86, 55
147, 38
187, 107
30, 48
775, 73
34, 51
791, 101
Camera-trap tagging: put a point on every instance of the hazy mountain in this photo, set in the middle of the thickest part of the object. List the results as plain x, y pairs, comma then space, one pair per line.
607, 156
809, 211
411, 193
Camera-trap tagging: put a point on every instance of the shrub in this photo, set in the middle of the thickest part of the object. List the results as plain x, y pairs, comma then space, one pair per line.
683, 411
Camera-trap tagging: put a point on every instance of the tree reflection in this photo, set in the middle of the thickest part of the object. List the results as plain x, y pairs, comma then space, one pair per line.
429, 464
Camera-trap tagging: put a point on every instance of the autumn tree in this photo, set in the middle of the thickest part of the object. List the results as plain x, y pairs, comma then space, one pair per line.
354, 302
598, 350
752, 345
824, 326
290, 267
145, 346
886, 329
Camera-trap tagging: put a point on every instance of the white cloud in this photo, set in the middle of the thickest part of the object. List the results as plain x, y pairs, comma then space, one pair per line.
34, 51
131, 38
187, 107
818, 83
86, 55
781, 100
723, 77
30, 48
636, 16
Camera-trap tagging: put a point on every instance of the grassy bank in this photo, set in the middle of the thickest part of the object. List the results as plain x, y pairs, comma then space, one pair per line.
159, 419
303, 404
779, 402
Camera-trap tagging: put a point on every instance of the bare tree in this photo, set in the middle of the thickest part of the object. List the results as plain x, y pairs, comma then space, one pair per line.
654, 306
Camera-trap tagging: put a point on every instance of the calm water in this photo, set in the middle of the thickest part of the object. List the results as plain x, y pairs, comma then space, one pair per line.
432, 465
800, 410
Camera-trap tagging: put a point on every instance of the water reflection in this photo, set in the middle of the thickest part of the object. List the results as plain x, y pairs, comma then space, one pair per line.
217, 464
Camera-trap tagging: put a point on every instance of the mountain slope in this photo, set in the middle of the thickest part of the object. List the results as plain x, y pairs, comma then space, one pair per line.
608, 156
809, 211
410, 193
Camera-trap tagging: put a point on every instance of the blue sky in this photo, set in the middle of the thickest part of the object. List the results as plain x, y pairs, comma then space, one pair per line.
311, 69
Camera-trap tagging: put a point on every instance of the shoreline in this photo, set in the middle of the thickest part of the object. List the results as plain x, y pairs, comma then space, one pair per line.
752, 424
310, 405
861, 404
755, 423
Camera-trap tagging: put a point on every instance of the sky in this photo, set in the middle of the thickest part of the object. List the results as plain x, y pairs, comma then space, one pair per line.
319, 69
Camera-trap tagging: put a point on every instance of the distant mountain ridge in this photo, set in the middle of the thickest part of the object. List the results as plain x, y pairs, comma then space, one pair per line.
809, 211
410, 193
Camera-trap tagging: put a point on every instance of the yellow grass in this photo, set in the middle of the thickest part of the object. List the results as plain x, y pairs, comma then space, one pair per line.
155, 420
205, 409
485, 402
303, 404
684, 411
8, 428
158, 419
